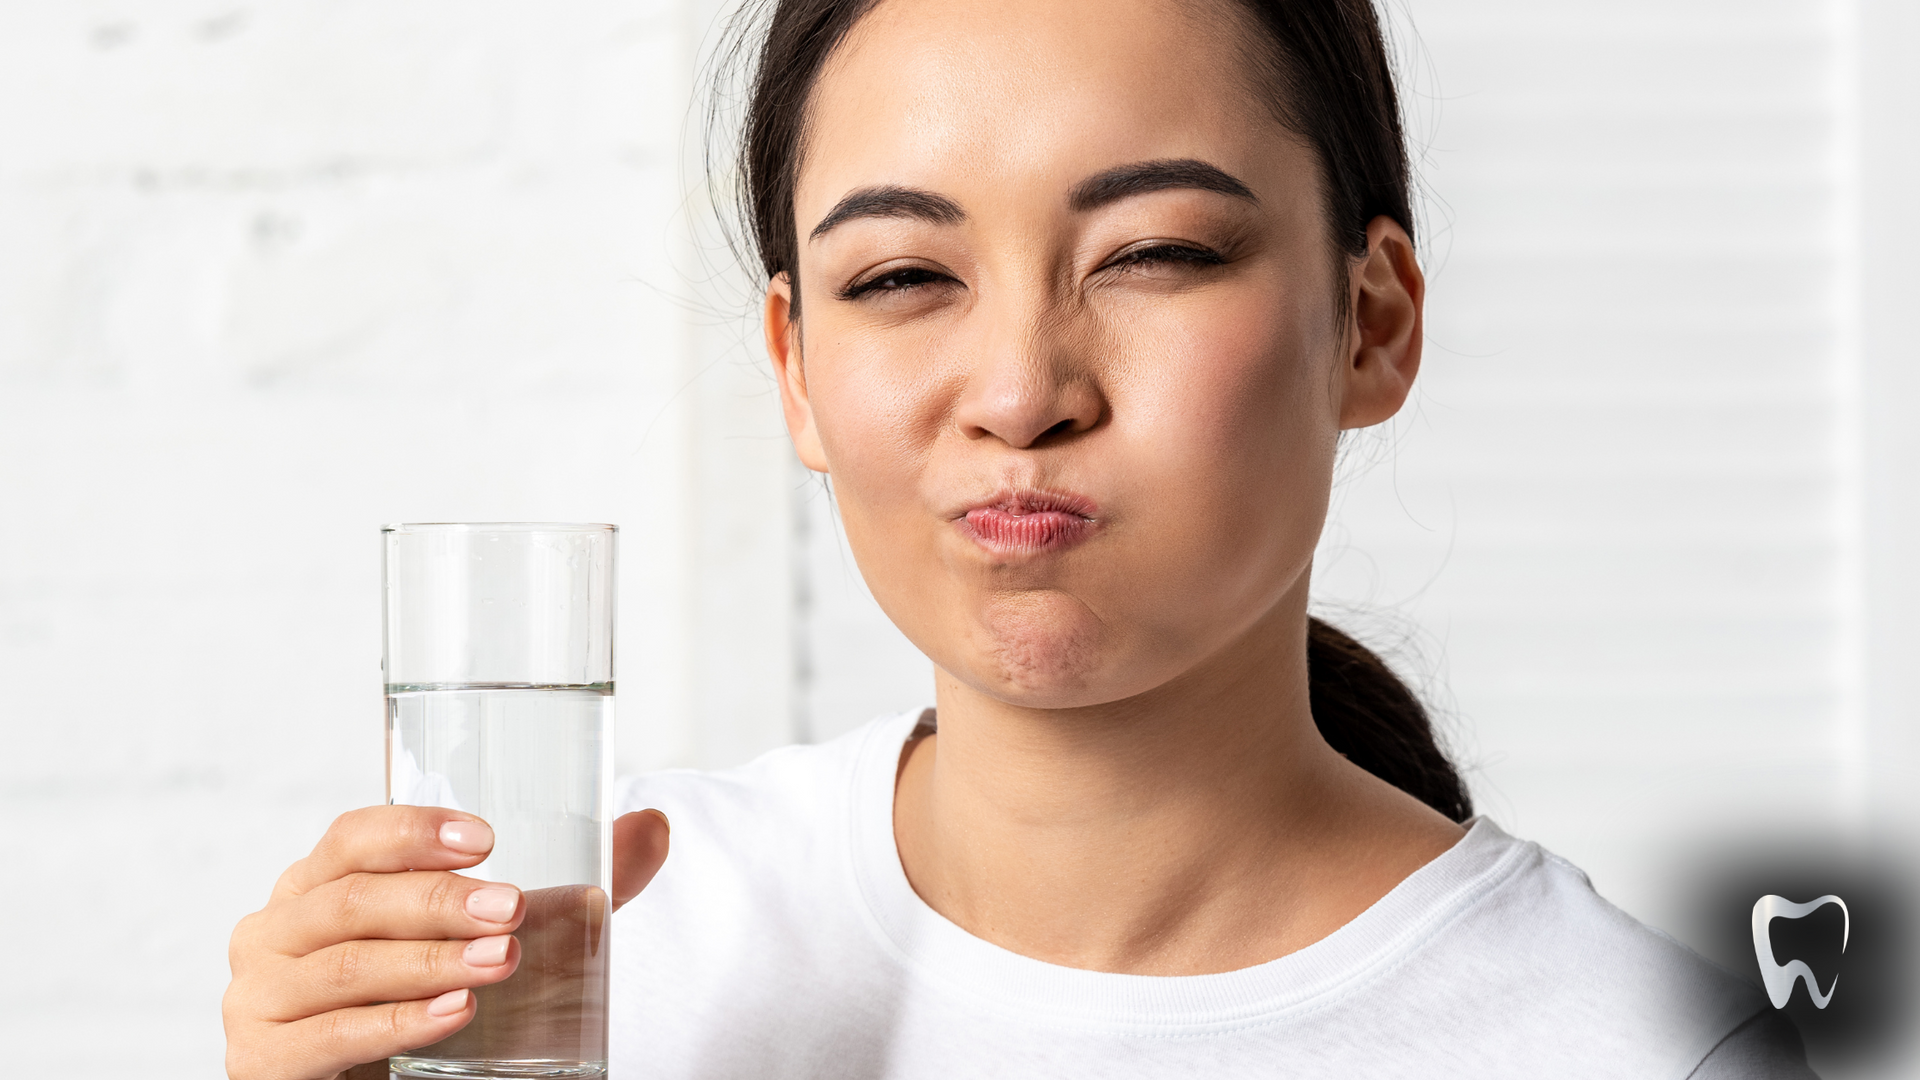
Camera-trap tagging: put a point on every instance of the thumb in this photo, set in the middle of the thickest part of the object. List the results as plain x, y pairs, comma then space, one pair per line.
639, 847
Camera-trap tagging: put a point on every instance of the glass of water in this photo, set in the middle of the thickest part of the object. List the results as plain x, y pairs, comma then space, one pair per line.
499, 673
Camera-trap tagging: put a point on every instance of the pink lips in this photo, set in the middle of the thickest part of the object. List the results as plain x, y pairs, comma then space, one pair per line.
1030, 522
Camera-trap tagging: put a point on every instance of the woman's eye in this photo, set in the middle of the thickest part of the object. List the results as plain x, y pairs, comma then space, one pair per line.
1166, 254
892, 281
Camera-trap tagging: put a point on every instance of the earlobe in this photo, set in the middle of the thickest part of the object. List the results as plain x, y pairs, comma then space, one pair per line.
1384, 328
783, 348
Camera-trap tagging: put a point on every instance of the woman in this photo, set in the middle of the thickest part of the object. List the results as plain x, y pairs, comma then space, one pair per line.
1072, 300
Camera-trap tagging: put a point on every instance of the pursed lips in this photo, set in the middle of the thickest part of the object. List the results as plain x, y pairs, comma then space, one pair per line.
1030, 522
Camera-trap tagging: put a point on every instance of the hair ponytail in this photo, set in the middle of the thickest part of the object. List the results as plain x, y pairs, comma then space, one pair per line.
1365, 712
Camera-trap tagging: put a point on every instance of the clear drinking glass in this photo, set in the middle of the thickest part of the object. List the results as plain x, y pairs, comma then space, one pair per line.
499, 673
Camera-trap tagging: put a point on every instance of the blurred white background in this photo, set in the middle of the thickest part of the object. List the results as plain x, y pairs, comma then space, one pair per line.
274, 273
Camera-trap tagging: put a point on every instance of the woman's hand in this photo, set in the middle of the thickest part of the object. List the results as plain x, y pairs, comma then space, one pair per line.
369, 946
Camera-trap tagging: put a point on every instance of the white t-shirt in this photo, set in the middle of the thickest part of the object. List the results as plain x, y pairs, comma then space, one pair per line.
781, 939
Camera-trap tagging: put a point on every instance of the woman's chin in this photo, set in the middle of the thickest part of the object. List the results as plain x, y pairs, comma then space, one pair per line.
1047, 663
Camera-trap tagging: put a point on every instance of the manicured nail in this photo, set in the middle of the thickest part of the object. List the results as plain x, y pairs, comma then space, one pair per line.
467, 837
447, 1004
487, 951
494, 904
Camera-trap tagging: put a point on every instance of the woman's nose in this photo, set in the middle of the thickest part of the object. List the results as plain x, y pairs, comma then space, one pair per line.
1028, 391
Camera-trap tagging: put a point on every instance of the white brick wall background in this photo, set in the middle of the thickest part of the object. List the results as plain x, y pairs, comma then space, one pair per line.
272, 274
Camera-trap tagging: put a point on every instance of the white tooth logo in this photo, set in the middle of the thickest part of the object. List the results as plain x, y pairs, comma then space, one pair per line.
1780, 978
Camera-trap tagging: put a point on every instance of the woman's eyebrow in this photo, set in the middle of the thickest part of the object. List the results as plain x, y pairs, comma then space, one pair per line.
891, 202
1141, 177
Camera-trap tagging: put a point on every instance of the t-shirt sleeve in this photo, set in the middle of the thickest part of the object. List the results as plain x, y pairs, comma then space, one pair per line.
1766, 1047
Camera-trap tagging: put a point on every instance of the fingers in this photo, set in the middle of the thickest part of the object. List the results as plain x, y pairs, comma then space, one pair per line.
566, 922
639, 847
354, 973
326, 1044
432, 904
388, 839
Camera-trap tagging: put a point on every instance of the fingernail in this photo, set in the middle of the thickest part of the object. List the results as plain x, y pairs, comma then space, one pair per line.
487, 951
447, 1004
467, 837
494, 904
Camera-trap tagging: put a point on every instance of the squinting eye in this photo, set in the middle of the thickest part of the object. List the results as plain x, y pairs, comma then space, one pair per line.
1167, 253
906, 277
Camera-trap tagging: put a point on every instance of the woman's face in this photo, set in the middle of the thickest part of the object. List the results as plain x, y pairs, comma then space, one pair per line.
1069, 344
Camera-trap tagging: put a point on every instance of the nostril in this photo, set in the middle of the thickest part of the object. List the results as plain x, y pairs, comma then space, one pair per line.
1062, 428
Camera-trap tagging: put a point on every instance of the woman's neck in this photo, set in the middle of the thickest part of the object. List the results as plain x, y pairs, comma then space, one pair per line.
1203, 827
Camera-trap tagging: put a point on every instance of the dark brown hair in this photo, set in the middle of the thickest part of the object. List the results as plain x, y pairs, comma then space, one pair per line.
1324, 64
1365, 712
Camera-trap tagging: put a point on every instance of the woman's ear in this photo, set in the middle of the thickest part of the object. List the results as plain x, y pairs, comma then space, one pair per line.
1384, 329
783, 347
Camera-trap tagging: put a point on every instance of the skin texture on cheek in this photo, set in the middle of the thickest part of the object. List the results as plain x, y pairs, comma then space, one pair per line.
1234, 441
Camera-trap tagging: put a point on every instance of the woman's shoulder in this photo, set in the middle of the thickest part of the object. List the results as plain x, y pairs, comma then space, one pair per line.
1547, 909
1551, 962
784, 794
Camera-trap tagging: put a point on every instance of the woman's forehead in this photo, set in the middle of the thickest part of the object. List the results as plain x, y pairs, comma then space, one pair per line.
931, 94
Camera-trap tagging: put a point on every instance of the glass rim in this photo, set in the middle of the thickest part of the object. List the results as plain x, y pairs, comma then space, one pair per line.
500, 526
